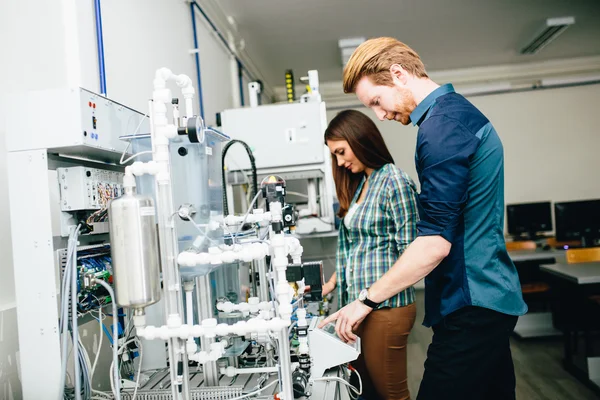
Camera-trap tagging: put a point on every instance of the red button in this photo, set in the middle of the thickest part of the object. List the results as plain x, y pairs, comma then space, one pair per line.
90, 104
94, 105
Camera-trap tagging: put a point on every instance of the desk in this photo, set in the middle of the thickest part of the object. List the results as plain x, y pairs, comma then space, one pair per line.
580, 274
577, 282
536, 324
536, 255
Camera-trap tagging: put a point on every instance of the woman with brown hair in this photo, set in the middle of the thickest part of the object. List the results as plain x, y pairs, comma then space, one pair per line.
379, 211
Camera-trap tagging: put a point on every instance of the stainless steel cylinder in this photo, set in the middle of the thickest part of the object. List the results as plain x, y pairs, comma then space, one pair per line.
134, 250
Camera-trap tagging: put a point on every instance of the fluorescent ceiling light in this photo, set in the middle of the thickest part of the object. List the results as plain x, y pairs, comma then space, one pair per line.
347, 47
487, 89
570, 80
551, 30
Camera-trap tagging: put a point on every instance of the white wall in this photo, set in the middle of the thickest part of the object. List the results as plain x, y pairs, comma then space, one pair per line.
141, 36
551, 142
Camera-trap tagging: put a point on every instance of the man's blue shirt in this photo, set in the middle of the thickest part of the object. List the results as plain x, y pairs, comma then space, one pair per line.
460, 162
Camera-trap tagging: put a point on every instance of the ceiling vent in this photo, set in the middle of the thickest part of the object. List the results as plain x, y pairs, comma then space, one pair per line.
347, 47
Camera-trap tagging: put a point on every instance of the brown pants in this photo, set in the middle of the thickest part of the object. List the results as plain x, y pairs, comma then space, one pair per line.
382, 363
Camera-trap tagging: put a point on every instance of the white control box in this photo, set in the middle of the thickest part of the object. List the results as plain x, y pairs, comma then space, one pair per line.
83, 188
72, 122
280, 135
327, 350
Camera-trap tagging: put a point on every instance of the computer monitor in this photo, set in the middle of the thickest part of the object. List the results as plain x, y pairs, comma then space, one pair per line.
578, 220
529, 218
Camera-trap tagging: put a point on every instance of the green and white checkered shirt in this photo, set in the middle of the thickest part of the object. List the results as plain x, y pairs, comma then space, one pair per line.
384, 224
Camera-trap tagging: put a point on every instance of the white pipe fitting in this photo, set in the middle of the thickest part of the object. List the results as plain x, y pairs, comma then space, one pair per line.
217, 350
161, 95
258, 216
168, 131
185, 83
230, 254
128, 178
210, 329
139, 168
252, 306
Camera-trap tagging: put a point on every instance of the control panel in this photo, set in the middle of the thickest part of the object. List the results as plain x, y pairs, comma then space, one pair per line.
72, 122
327, 350
83, 188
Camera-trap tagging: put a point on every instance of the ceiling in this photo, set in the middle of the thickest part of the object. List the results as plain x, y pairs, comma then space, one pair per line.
304, 34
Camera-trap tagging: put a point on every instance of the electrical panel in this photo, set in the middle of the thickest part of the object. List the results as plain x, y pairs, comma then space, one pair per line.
72, 122
91, 260
83, 188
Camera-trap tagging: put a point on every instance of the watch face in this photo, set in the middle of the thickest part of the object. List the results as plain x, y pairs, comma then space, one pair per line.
362, 296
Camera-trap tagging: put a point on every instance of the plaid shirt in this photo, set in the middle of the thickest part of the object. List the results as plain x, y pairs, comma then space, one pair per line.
384, 224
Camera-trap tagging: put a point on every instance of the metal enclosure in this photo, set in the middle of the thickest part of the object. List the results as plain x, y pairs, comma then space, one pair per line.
280, 135
40, 126
73, 122
134, 249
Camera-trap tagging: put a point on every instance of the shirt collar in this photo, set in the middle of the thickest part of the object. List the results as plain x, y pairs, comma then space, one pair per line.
419, 112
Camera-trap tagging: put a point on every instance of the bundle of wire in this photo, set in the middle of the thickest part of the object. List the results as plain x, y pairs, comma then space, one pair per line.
105, 193
68, 322
98, 216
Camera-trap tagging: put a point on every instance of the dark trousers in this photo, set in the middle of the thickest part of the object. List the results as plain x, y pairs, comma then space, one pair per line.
469, 357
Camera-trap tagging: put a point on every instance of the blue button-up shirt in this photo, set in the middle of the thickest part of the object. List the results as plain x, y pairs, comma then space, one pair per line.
460, 162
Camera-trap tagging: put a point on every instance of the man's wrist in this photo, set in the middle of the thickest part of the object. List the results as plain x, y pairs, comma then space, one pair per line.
364, 298
373, 295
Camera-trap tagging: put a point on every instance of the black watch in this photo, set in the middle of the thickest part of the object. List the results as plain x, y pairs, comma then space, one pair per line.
363, 298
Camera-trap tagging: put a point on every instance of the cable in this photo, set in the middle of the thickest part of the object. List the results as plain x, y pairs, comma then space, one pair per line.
74, 327
137, 381
114, 367
99, 347
84, 360
340, 380
247, 213
115, 386
360, 385
135, 132
252, 163
64, 314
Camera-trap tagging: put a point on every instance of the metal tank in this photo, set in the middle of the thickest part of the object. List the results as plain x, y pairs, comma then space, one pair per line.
134, 248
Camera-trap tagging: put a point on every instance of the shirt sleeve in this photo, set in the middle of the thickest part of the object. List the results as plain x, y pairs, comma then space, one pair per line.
401, 207
444, 151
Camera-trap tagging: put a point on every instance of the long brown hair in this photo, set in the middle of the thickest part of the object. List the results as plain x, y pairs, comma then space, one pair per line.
366, 143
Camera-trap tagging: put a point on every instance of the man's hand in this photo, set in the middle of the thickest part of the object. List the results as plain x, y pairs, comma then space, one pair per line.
348, 319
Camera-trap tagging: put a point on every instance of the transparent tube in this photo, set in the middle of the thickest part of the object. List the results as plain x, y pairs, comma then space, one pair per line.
205, 311
168, 252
